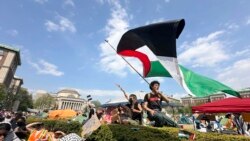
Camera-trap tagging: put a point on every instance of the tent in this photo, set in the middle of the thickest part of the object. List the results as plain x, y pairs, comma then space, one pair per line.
123, 103
62, 114
232, 105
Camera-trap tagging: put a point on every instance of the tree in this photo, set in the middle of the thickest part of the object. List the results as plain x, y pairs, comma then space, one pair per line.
97, 103
45, 102
3, 95
25, 99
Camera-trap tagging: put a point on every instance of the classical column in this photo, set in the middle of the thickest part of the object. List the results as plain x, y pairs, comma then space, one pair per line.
73, 106
64, 104
81, 106
78, 106
60, 105
67, 105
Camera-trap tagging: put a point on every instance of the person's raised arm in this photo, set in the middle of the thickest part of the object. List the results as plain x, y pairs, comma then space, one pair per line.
30, 126
125, 95
164, 97
60, 132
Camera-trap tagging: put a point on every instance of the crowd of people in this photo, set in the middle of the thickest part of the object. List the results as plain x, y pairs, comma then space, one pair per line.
134, 112
230, 123
13, 126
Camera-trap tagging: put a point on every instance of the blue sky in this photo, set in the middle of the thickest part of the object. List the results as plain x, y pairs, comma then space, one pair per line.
62, 42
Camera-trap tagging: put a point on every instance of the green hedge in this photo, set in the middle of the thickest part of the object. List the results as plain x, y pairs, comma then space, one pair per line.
62, 125
140, 133
116, 132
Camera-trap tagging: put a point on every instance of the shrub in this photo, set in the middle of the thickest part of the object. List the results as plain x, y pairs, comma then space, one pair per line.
141, 133
116, 132
102, 134
62, 125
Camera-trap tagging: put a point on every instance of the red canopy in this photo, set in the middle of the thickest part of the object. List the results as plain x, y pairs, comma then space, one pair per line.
232, 105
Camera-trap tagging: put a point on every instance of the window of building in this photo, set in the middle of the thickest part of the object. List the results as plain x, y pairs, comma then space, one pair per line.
1, 54
8, 79
14, 65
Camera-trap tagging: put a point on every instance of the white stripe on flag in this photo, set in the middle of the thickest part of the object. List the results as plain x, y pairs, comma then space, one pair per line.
184, 85
171, 65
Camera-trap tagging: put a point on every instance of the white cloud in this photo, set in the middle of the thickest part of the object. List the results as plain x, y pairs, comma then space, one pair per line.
12, 32
158, 8
237, 75
243, 52
167, 1
44, 67
63, 24
150, 79
179, 95
155, 21
116, 26
232, 26
100, 1
204, 51
248, 21
106, 95
41, 1
69, 2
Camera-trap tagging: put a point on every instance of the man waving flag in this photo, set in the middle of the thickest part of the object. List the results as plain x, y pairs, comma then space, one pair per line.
160, 40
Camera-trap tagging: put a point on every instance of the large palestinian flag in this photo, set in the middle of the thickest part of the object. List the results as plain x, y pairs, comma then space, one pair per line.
161, 58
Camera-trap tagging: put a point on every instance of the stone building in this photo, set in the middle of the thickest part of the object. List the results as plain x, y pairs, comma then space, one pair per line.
245, 93
15, 85
70, 99
191, 101
9, 60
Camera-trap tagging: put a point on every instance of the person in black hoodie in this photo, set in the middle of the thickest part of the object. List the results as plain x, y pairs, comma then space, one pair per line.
134, 106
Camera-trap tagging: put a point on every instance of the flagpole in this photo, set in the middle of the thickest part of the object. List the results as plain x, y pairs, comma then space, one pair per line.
128, 63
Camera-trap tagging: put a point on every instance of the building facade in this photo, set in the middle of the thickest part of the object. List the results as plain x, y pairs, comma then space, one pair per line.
245, 93
64, 99
9, 61
15, 85
70, 99
192, 101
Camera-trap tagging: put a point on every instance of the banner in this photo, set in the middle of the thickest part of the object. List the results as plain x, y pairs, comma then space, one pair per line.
91, 125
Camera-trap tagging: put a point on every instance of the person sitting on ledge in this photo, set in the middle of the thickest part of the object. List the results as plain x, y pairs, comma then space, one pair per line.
153, 106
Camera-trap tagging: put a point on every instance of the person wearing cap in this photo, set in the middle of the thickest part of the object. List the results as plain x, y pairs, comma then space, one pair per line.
153, 106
